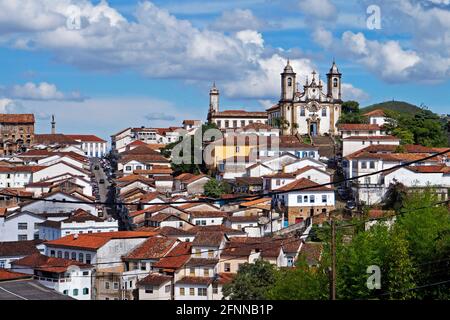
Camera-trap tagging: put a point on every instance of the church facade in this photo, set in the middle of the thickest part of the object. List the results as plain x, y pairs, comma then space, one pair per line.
310, 111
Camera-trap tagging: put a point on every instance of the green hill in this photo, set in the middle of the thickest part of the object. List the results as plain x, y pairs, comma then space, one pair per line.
398, 106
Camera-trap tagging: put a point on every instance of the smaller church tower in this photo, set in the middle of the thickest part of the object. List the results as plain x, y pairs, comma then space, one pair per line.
334, 82
213, 101
288, 83
53, 124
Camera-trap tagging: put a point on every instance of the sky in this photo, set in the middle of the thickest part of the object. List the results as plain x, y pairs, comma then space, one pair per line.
102, 66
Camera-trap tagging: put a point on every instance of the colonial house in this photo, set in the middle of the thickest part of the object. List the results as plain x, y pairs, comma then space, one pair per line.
92, 145
68, 276
17, 177
15, 250
376, 116
355, 143
190, 183
231, 119
78, 223
302, 204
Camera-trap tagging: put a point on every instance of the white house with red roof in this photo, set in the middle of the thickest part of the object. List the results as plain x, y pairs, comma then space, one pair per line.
376, 116
70, 277
92, 145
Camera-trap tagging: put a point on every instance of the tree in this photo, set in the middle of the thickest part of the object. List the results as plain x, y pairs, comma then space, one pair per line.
252, 281
351, 113
395, 196
300, 283
214, 188
426, 227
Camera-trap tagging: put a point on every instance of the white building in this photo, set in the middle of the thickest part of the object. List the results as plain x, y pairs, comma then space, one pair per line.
17, 177
311, 111
377, 117
92, 145
355, 143
80, 222
70, 277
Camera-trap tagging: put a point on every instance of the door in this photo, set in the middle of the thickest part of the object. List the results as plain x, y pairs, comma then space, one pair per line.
311, 212
313, 129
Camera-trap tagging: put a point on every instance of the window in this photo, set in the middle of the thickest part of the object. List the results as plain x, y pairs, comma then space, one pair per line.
305, 199
227, 267
227, 123
143, 266
289, 82
66, 292
311, 154
22, 226
312, 198
192, 272
138, 167
191, 291
66, 255
107, 285
335, 82
2, 264
299, 199
116, 285
206, 272
201, 292
167, 288
215, 288
302, 112
219, 123
363, 165
73, 256
367, 180
128, 168
278, 182
242, 123
85, 291
372, 164
149, 290
52, 253
80, 257
324, 112
22, 237
59, 254
237, 149
234, 123
290, 261
75, 292
88, 258
324, 198
182, 292
85, 273
198, 253
210, 253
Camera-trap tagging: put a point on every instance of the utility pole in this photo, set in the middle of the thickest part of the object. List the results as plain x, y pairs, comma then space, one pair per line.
333, 261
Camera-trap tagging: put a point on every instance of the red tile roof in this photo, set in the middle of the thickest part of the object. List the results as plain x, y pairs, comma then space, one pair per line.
154, 279
94, 241
375, 113
19, 248
21, 169
152, 248
7, 275
10, 118
304, 183
358, 127
85, 137
44, 263
208, 239
176, 258
196, 280
387, 137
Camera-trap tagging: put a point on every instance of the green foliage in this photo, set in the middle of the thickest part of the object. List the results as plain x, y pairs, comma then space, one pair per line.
395, 196
281, 123
251, 282
300, 283
422, 127
214, 188
190, 167
426, 228
351, 113
396, 106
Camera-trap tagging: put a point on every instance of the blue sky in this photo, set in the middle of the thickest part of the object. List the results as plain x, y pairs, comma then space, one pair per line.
134, 63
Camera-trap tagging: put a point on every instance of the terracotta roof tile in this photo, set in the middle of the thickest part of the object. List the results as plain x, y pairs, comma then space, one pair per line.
176, 258
152, 248
358, 127
304, 183
195, 280
19, 248
7, 275
85, 137
208, 239
16, 118
154, 279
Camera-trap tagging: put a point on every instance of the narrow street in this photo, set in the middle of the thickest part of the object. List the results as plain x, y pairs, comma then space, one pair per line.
103, 188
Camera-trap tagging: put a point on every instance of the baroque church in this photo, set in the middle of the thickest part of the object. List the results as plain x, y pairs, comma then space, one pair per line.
310, 111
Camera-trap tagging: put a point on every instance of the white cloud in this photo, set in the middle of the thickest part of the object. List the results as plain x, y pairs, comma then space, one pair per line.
237, 19
349, 92
264, 81
41, 91
323, 37
387, 59
321, 9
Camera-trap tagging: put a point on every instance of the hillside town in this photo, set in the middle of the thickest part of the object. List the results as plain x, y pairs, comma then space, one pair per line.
134, 218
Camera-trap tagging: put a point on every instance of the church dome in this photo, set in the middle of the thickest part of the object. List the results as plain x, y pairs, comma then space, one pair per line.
288, 68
